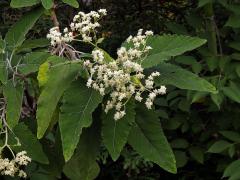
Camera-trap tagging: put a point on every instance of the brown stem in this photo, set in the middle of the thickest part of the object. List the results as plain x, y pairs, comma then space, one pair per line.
54, 16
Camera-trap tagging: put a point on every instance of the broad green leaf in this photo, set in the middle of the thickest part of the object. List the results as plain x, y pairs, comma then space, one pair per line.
232, 169
181, 158
79, 102
115, 133
147, 138
232, 91
235, 45
73, 3
235, 176
29, 143
233, 21
16, 34
167, 46
197, 154
190, 60
13, 95
47, 4
23, 3
219, 146
33, 43
181, 78
59, 78
83, 164
231, 135
32, 61
43, 72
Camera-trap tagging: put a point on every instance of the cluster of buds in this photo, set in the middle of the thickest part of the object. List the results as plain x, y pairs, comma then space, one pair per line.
84, 24
12, 167
124, 76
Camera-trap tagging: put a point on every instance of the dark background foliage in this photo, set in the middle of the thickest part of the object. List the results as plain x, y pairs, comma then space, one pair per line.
192, 121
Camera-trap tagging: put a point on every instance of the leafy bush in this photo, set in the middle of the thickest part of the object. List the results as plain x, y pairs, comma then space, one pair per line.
55, 101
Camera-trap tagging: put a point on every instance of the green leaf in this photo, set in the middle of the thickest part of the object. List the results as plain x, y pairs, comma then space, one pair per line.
59, 78
23, 3
181, 158
217, 99
115, 133
197, 154
231, 135
3, 70
235, 176
233, 21
233, 168
232, 91
73, 3
83, 165
32, 61
32, 44
47, 4
219, 146
13, 95
29, 143
181, 78
79, 102
148, 139
202, 3
235, 45
167, 46
16, 34
176, 28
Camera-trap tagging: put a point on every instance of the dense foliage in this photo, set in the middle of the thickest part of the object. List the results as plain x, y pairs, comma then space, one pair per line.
66, 115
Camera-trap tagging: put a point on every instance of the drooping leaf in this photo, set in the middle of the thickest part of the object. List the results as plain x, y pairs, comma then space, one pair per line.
33, 43
73, 3
59, 79
233, 21
32, 61
231, 135
16, 34
232, 91
219, 146
231, 169
29, 143
167, 46
83, 164
79, 102
115, 133
23, 3
181, 78
197, 154
13, 95
148, 139
181, 158
47, 4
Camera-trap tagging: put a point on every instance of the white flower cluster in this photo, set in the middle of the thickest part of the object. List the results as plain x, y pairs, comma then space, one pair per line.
84, 24
56, 36
123, 77
12, 167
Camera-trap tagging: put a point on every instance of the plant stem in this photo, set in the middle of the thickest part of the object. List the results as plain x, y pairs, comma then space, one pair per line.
210, 29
